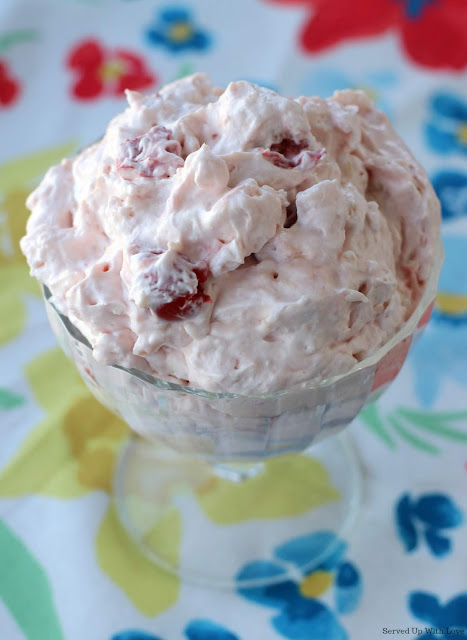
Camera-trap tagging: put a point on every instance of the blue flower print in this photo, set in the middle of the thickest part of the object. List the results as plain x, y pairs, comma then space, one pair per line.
442, 352
447, 130
439, 620
378, 85
175, 30
451, 189
207, 630
414, 8
195, 630
427, 517
301, 615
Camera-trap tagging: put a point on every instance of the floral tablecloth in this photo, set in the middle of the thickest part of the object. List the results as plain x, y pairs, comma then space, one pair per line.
67, 569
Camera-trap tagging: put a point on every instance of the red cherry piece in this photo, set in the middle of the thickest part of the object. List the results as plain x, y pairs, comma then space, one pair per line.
184, 307
289, 154
188, 305
277, 159
289, 148
202, 273
172, 285
152, 155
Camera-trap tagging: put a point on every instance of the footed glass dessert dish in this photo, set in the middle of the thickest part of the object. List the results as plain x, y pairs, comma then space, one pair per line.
234, 477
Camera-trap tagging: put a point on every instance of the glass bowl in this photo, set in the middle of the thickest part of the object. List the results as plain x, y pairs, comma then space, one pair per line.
268, 454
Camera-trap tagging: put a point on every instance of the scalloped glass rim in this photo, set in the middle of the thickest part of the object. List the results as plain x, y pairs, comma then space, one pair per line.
408, 328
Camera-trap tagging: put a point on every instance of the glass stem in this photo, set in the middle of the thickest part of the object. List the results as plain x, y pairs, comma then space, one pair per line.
238, 472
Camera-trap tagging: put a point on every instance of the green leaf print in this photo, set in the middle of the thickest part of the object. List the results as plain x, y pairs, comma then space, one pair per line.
416, 427
18, 36
25, 590
10, 399
373, 420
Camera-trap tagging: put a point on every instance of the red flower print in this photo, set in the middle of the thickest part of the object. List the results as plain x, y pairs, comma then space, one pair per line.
433, 32
9, 87
102, 71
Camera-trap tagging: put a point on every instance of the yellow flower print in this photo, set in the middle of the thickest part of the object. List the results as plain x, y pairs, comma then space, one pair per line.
268, 494
73, 452
316, 584
17, 179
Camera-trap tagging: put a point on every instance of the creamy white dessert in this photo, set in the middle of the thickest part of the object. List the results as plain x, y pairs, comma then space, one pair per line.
237, 240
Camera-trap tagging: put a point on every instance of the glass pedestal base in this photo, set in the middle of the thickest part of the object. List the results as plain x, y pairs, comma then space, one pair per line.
238, 525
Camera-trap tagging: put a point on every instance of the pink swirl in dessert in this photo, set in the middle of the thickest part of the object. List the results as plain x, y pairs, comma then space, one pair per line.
152, 155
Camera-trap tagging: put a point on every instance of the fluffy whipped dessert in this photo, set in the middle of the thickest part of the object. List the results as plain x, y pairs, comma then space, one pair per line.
236, 240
